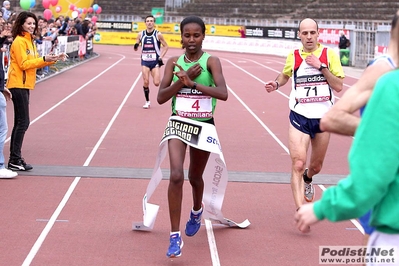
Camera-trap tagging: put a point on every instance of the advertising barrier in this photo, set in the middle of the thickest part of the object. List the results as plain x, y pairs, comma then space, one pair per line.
166, 28
327, 36
129, 38
331, 36
273, 46
250, 45
272, 32
115, 25
71, 45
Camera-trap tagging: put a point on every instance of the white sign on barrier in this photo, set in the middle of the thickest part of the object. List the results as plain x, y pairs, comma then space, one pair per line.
250, 45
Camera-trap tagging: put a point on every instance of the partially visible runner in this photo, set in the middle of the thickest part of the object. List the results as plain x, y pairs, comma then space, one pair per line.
373, 182
5, 95
342, 118
316, 73
151, 55
194, 81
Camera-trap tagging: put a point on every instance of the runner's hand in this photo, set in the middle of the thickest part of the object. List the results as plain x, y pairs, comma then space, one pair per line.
160, 62
271, 86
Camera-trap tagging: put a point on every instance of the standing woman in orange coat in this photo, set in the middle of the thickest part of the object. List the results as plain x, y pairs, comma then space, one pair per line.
24, 60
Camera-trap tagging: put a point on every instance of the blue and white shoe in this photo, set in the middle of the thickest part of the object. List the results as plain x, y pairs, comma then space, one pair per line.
194, 223
176, 244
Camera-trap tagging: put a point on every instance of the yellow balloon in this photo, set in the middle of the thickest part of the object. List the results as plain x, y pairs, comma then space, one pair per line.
65, 11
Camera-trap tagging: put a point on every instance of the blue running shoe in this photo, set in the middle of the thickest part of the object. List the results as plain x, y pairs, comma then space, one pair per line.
175, 246
194, 223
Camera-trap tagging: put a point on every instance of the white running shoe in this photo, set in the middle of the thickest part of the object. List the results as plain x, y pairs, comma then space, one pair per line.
309, 189
147, 105
309, 192
5, 173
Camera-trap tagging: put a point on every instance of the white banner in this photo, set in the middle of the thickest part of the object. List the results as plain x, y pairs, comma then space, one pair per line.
250, 45
254, 45
201, 136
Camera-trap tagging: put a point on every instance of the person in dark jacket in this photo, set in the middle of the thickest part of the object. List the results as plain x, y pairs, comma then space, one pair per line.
343, 41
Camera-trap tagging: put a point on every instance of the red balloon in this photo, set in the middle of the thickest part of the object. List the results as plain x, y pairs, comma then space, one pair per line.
99, 9
94, 19
72, 7
84, 10
54, 2
90, 10
47, 14
46, 3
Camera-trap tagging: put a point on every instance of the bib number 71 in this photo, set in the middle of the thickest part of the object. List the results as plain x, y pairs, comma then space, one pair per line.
309, 89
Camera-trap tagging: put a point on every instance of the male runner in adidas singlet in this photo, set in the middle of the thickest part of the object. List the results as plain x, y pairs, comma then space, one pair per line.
193, 81
151, 55
316, 72
342, 119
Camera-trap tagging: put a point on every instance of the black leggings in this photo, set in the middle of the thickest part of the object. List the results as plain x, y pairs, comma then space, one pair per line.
20, 99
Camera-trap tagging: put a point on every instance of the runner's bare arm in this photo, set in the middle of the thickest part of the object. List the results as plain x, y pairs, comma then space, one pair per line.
341, 118
220, 91
280, 81
165, 46
167, 89
138, 38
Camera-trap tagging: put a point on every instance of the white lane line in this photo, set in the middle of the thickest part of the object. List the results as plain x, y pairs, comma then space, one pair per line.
354, 221
49, 225
259, 120
255, 77
208, 224
212, 243
54, 216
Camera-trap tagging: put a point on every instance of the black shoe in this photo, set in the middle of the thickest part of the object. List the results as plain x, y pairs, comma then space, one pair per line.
19, 165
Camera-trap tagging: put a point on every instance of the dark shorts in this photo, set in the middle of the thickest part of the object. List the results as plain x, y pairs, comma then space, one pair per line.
310, 126
150, 64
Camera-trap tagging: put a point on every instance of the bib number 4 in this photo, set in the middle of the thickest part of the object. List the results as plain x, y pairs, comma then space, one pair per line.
196, 105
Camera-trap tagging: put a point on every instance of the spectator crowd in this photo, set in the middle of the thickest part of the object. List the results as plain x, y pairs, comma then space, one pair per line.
47, 38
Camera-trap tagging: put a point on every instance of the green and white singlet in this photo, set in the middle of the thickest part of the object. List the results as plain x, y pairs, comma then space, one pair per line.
191, 103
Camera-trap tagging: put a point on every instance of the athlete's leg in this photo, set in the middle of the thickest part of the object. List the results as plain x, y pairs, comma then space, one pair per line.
198, 160
156, 77
177, 152
298, 146
319, 149
146, 82
146, 76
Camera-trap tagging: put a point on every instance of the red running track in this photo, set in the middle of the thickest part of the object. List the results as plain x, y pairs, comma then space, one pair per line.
91, 117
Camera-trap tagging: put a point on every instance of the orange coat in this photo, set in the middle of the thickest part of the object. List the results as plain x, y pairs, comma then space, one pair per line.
24, 60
